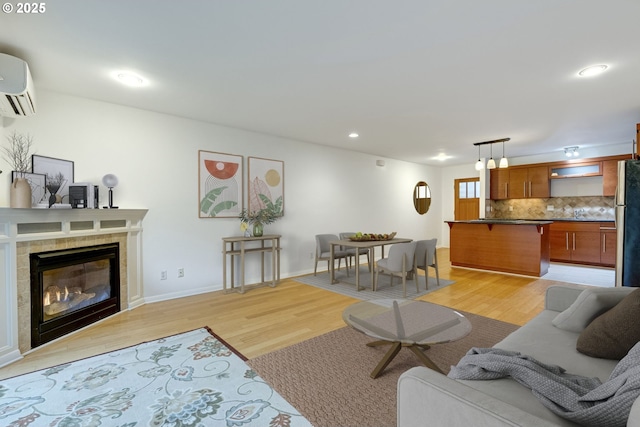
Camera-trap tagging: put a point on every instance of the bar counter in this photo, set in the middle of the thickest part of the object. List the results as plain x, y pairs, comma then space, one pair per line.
510, 246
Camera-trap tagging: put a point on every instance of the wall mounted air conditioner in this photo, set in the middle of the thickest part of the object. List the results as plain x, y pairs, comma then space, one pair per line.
17, 97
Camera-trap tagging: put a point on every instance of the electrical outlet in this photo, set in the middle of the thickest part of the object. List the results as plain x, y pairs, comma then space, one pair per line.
163, 275
550, 208
181, 272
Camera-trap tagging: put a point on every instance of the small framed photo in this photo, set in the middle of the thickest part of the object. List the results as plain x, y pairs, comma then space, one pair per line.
38, 184
59, 175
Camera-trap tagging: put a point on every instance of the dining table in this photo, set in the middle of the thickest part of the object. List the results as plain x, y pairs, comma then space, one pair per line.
369, 245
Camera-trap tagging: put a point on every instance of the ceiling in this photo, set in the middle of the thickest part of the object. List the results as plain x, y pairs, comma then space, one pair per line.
415, 78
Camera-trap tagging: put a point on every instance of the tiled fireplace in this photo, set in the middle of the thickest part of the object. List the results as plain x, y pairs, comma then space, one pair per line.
72, 288
27, 234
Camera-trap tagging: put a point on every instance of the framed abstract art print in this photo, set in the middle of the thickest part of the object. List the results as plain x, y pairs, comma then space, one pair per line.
220, 184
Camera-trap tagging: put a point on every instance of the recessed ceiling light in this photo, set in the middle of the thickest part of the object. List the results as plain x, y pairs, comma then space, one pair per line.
130, 79
592, 70
353, 135
441, 157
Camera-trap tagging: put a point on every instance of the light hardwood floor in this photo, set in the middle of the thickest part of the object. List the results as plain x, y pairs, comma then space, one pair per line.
267, 319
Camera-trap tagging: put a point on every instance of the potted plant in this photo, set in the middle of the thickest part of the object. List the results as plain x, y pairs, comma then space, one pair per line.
259, 218
18, 155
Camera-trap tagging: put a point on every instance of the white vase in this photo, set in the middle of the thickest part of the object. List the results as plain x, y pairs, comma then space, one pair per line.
20, 194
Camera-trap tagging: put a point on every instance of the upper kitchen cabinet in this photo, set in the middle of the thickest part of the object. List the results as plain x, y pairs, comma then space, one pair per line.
499, 184
529, 182
534, 181
610, 173
609, 177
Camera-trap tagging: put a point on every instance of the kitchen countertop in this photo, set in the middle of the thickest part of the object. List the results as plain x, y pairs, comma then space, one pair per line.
502, 221
581, 219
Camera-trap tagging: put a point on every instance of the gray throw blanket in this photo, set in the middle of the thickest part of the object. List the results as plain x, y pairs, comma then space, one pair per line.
583, 400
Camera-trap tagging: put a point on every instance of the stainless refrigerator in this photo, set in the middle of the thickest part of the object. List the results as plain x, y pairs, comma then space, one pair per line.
627, 212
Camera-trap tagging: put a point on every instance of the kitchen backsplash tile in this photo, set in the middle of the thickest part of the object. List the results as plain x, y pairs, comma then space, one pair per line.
598, 208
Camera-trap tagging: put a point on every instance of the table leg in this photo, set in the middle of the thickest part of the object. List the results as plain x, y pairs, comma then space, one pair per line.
262, 261
331, 264
372, 252
391, 353
242, 267
278, 255
224, 266
424, 358
233, 267
273, 263
357, 270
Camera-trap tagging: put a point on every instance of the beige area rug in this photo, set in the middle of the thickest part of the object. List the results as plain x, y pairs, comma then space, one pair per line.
327, 378
347, 285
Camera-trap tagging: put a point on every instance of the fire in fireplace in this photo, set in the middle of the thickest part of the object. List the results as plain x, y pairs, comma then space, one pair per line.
72, 288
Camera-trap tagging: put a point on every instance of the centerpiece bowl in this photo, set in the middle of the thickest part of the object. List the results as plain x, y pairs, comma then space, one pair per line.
367, 237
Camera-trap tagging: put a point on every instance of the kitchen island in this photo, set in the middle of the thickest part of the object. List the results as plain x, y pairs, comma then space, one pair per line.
510, 246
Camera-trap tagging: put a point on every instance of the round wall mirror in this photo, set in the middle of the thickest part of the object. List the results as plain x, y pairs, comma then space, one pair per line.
421, 197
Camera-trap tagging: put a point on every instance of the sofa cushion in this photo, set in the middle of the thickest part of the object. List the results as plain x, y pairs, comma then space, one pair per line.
612, 334
540, 339
590, 304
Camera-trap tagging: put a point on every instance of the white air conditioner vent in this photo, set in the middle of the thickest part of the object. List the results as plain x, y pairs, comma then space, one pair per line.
17, 96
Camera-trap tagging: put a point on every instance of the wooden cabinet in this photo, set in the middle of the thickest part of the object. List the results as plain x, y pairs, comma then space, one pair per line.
534, 181
530, 182
577, 242
576, 170
519, 248
609, 177
518, 183
499, 184
608, 240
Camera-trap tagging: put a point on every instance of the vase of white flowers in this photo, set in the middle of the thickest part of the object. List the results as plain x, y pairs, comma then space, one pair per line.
18, 155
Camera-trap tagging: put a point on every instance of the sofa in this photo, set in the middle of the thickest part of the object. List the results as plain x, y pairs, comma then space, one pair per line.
425, 397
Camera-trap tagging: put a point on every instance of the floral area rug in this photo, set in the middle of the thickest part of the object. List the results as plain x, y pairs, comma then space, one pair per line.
190, 379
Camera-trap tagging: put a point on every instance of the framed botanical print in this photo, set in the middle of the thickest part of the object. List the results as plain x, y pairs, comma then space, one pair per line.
59, 175
220, 185
266, 184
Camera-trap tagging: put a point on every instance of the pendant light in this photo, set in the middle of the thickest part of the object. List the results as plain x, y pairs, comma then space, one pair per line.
479, 163
504, 163
491, 164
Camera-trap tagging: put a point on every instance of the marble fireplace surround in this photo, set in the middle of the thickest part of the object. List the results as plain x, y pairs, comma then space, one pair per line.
25, 231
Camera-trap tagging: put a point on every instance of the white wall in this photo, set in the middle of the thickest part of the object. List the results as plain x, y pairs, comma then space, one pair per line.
155, 158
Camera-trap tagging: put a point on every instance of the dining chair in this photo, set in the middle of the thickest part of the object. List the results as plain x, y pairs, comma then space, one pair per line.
426, 256
352, 251
400, 262
323, 251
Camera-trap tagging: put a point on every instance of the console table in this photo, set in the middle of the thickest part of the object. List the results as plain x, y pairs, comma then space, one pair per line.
237, 246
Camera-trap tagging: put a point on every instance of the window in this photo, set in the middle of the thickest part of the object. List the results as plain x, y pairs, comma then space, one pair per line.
469, 190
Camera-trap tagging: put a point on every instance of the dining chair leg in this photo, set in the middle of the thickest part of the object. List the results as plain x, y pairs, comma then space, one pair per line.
435, 262
404, 285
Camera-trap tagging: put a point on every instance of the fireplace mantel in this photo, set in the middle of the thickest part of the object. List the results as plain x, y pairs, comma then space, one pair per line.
60, 225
